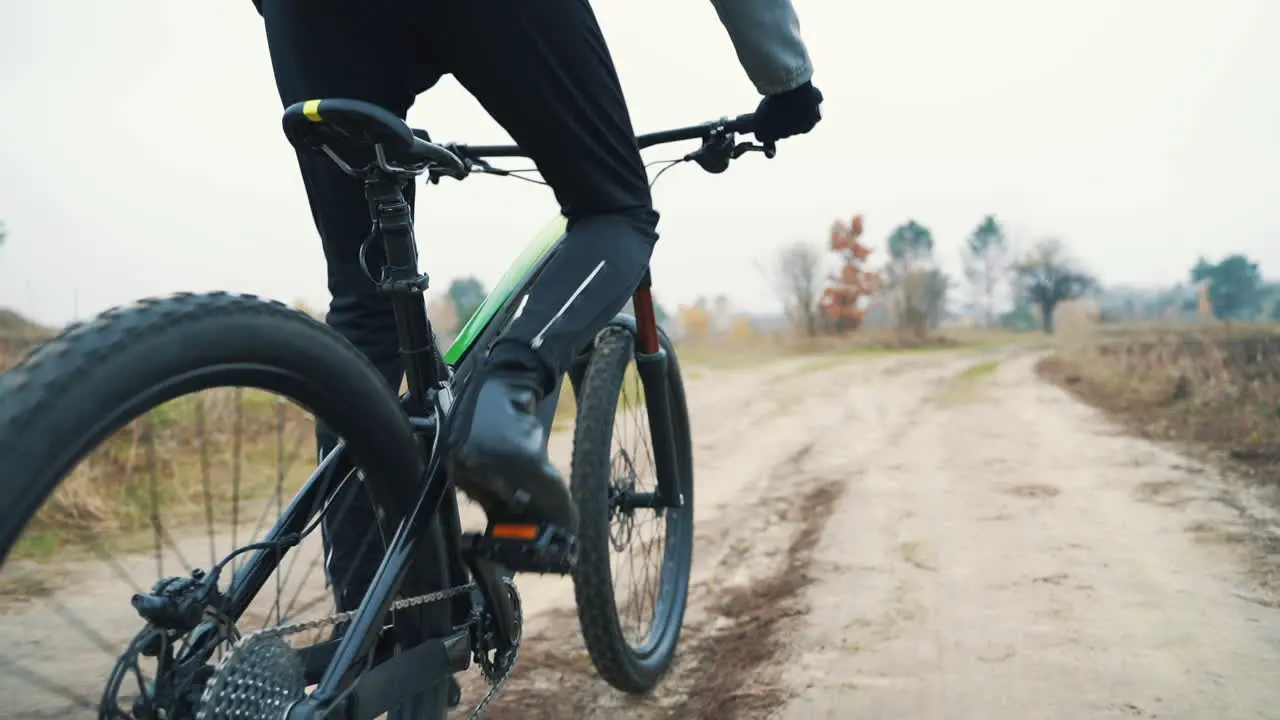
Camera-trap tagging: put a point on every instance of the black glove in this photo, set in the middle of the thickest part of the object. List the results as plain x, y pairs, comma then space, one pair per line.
793, 112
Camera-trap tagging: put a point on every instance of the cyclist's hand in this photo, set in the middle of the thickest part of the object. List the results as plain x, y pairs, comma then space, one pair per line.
793, 112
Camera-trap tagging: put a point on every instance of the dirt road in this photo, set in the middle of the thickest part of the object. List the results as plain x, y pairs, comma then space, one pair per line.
940, 536
934, 535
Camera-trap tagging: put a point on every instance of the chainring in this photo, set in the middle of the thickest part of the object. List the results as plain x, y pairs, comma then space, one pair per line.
498, 669
497, 666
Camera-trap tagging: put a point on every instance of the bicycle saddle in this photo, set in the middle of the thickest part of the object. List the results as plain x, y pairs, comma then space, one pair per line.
351, 129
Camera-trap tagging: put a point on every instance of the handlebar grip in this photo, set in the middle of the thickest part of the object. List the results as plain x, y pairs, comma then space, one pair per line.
743, 124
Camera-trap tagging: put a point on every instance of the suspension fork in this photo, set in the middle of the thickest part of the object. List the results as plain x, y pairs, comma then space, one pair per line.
653, 366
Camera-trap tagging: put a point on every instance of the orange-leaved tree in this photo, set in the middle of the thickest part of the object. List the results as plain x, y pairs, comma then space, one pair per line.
843, 301
696, 320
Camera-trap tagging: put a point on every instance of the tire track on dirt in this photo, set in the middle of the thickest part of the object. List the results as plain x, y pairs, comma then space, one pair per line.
725, 408
752, 559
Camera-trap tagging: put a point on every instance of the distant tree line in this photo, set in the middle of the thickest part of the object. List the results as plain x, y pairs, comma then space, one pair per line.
1235, 288
915, 292
1232, 288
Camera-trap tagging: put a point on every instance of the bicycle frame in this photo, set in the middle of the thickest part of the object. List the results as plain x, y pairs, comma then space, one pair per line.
429, 374
432, 376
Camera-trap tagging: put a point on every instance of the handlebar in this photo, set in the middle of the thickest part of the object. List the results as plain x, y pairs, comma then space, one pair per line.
718, 145
741, 125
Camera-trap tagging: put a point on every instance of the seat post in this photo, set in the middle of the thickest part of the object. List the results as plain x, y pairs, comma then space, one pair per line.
425, 369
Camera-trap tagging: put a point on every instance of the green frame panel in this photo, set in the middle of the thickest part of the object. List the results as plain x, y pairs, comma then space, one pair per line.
511, 281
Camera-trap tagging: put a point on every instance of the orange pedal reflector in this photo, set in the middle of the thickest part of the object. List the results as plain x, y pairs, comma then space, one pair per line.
515, 532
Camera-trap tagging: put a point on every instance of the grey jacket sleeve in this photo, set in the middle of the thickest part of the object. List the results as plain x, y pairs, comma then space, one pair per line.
766, 36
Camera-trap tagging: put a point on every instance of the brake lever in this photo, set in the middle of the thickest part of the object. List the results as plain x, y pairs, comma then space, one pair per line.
473, 165
770, 149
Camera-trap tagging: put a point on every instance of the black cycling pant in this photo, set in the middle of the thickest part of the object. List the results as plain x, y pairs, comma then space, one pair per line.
542, 70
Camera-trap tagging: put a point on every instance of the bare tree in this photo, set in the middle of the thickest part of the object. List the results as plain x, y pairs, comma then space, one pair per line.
986, 264
798, 279
1048, 276
936, 286
917, 289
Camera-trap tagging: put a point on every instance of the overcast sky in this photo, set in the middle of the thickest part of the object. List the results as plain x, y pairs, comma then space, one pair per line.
141, 152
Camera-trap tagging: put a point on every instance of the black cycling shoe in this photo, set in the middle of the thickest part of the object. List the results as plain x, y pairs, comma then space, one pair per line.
497, 455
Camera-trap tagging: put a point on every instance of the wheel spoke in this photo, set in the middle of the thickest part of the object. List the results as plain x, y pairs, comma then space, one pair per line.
206, 479
279, 491
153, 485
237, 444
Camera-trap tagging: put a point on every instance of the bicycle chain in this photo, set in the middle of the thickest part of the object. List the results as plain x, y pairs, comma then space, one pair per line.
278, 631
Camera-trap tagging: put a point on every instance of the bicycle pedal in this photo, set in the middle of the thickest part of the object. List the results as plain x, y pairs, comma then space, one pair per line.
525, 547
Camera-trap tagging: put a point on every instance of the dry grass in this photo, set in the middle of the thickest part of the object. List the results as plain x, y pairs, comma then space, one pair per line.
197, 456
1217, 387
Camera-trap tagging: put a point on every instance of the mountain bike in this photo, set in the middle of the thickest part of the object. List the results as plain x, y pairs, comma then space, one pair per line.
441, 599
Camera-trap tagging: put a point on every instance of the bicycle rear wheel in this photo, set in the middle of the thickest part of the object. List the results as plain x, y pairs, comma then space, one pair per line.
630, 632
63, 400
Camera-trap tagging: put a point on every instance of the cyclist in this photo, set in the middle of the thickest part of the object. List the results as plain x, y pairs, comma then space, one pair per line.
542, 70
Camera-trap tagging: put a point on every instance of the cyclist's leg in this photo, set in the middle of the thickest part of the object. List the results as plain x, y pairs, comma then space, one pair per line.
333, 48
544, 72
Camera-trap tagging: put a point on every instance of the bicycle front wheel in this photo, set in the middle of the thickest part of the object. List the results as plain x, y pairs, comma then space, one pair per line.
630, 610
127, 371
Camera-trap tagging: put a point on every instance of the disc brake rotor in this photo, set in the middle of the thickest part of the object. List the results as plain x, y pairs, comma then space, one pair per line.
620, 532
